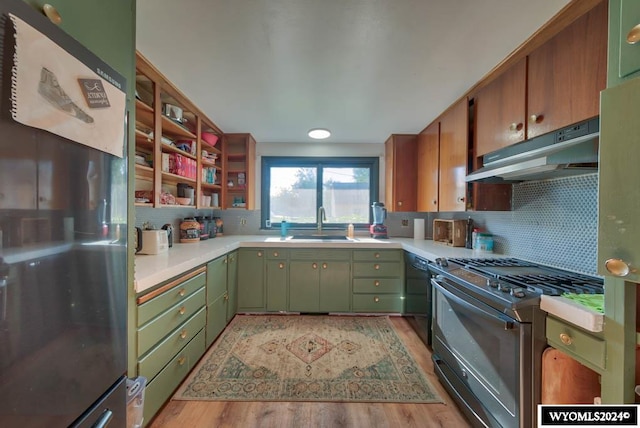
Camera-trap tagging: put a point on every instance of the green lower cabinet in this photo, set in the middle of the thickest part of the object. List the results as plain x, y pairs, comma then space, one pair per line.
319, 286
164, 384
378, 281
216, 318
377, 303
251, 280
232, 284
277, 281
216, 278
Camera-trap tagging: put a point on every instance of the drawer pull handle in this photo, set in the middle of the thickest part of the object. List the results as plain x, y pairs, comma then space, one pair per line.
376, 283
324, 265
566, 339
275, 254
225, 261
376, 266
376, 299
281, 265
633, 36
376, 255
226, 296
182, 310
182, 292
259, 253
182, 360
183, 334
314, 265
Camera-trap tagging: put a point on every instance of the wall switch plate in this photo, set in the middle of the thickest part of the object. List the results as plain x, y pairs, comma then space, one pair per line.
405, 222
267, 223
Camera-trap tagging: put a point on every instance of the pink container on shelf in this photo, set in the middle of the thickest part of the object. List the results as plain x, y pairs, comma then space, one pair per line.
209, 137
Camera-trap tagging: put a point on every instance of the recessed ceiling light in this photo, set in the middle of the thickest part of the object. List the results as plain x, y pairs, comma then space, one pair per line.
319, 133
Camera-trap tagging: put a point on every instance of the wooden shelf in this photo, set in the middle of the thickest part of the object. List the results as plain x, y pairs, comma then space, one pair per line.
144, 173
176, 206
210, 163
211, 186
168, 148
143, 140
175, 179
144, 204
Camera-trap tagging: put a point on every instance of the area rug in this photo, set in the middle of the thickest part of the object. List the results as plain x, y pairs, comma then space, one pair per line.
308, 358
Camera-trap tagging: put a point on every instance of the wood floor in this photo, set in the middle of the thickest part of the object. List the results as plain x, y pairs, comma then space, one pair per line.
188, 414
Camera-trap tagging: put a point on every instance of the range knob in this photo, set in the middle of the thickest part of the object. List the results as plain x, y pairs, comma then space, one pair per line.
504, 288
492, 282
517, 292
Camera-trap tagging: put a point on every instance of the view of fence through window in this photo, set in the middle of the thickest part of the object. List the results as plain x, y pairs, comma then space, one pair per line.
344, 196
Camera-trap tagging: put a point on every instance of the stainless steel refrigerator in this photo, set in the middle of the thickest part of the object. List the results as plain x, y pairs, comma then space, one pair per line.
63, 211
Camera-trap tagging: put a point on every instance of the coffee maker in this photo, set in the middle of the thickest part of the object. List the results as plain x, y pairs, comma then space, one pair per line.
378, 229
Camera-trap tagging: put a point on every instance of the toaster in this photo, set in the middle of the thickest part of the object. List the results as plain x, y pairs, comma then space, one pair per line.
152, 241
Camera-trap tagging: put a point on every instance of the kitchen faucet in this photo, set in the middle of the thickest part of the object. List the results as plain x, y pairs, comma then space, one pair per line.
321, 216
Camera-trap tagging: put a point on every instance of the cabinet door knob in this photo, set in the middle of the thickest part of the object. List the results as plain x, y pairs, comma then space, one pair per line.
617, 267
182, 360
225, 261
399, 203
515, 127
376, 255
275, 254
376, 299
536, 118
376, 283
226, 296
182, 292
314, 265
281, 266
324, 265
633, 36
259, 253
376, 266
183, 334
51, 12
460, 199
435, 202
182, 310
565, 338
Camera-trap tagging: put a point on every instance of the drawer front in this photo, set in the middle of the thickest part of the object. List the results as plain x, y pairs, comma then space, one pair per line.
319, 255
216, 319
276, 254
375, 285
377, 269
160, 389
158, 357
377, 255
216, 278
576, 342
377, 303
150, 333
159, 304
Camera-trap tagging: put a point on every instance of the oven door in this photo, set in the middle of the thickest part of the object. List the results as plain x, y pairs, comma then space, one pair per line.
479, 355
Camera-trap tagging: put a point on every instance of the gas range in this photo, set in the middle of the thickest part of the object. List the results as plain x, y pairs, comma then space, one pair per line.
510, 284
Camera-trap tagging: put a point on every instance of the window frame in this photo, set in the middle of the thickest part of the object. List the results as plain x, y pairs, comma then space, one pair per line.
373, 163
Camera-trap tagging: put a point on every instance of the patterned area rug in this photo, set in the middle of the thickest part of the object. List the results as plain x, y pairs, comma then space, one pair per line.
308, 358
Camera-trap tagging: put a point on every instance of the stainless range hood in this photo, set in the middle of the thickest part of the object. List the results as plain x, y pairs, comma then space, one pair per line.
566, 152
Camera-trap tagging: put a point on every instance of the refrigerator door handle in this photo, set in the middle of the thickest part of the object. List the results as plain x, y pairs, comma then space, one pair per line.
104, 419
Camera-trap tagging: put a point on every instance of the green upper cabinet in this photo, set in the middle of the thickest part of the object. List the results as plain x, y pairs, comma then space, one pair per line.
619, 195
107, 28
624, 41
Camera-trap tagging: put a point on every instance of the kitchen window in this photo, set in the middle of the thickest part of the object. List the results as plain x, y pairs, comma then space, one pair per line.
293, 188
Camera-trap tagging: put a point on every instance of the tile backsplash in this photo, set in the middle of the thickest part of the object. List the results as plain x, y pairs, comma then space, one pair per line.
554, 222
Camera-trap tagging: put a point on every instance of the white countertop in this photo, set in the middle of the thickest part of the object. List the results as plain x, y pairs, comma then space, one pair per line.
151, 270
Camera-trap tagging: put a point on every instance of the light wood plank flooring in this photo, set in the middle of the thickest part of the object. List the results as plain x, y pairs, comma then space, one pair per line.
183, 414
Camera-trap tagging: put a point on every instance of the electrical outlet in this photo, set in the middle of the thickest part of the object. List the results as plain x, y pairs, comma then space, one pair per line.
405, 222
243, 221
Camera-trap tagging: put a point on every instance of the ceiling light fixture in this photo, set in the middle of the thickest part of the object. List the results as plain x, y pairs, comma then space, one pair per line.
319, 133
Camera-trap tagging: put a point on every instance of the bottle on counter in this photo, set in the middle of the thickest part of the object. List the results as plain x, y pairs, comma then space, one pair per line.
468, 242
350, 231
283, 228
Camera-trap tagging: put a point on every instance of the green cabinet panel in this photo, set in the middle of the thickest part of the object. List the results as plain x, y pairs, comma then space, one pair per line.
158, 304
232, 284
377, 255
315, 254
377, 269
335, 281
216, 318
161, 354
304, 286
277, 281
251, 276
216, 278
160, 389
153, 331
624, 57
377, 303
618, 192
375, 285
576, 342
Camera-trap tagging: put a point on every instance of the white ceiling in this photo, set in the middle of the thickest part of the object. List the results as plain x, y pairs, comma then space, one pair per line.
362, 68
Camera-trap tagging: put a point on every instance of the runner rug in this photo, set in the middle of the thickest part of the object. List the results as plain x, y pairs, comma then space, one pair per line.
308, 358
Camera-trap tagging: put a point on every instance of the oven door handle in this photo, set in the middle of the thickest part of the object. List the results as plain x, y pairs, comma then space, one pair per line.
509, 324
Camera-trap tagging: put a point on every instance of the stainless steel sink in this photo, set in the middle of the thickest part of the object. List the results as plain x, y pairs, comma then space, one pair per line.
321, 237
